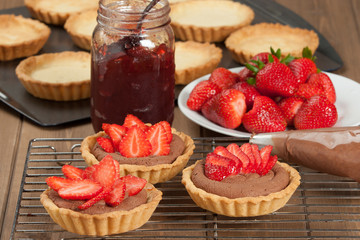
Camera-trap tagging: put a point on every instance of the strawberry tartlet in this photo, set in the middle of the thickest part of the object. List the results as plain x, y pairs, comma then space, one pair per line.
156, 152
240, 181
97, 201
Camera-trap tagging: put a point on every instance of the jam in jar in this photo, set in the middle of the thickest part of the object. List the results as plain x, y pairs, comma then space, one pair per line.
132, 63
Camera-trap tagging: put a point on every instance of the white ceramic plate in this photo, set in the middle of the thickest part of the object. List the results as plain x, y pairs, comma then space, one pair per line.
347, 104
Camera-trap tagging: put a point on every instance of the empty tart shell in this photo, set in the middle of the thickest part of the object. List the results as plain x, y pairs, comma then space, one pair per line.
245, 43
80, 27
153, 174
21, 37
58, 11
207, 20
241, 207
61, 76
194, 59
103, 224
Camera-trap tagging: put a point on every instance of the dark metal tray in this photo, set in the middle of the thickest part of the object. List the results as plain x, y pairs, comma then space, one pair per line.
51, 113
323, 206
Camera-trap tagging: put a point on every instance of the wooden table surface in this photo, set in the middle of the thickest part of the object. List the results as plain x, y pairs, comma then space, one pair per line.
338, 21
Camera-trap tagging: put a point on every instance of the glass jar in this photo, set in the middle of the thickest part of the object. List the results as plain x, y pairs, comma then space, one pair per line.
132, 63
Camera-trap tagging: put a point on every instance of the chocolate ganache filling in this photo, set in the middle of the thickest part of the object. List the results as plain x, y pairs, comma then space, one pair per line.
248, 185
100, 207
177, 147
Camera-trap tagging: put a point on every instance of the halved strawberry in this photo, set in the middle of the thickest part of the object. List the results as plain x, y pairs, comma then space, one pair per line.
217, 167
106, 144
167, 128
256, 154
133, 184
271, 163
131, 120
223, 77
135, 144
95, 199
158, 139
116, 133
117, 193
72, 172
235, 150
80, 190
57, 182
106, 172
201, 93
222, 151
247, 149
265, 156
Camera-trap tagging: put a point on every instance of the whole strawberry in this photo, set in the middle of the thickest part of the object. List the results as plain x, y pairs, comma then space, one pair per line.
290, 107
323, 81
265, 116
201, 93
303, 67
223, 77
226, 108
275, 79
316, 112
249, 91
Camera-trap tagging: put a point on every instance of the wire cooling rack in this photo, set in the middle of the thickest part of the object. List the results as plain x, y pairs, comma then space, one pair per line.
323, 207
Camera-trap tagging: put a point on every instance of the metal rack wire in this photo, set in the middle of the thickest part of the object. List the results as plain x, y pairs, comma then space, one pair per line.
323, 207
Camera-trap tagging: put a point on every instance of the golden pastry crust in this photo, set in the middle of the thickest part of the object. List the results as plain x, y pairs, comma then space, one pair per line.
21, 37
61, 76
245, 43
58, 11
193, 60
241, 207
153, 174
103, 224
207, 20
80, 27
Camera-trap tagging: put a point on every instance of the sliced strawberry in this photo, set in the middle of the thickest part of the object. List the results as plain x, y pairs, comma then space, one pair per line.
57, 182
80, 190
158, 139
290, 106
131, 120
133, 184
271, 163
223, 77
217, 167
201, 93
235, 150
265, 156
222, 151
95, 199
135, 144
106, 172
72, 172
106, 144
117, 193
88, 172
166, 125
256, 154
116, 133
105, 127
247, 149
226, 108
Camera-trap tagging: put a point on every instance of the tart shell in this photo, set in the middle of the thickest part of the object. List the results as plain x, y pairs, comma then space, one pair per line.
153, 174
199, 33
65, 91
241, 207
289, 40
103, 224
26, 47
187, 54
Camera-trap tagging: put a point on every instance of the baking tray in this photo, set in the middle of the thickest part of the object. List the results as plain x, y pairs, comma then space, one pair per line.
323, 207
51, 113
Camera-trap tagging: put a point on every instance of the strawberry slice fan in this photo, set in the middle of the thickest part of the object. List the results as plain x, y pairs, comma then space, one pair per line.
333, 150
